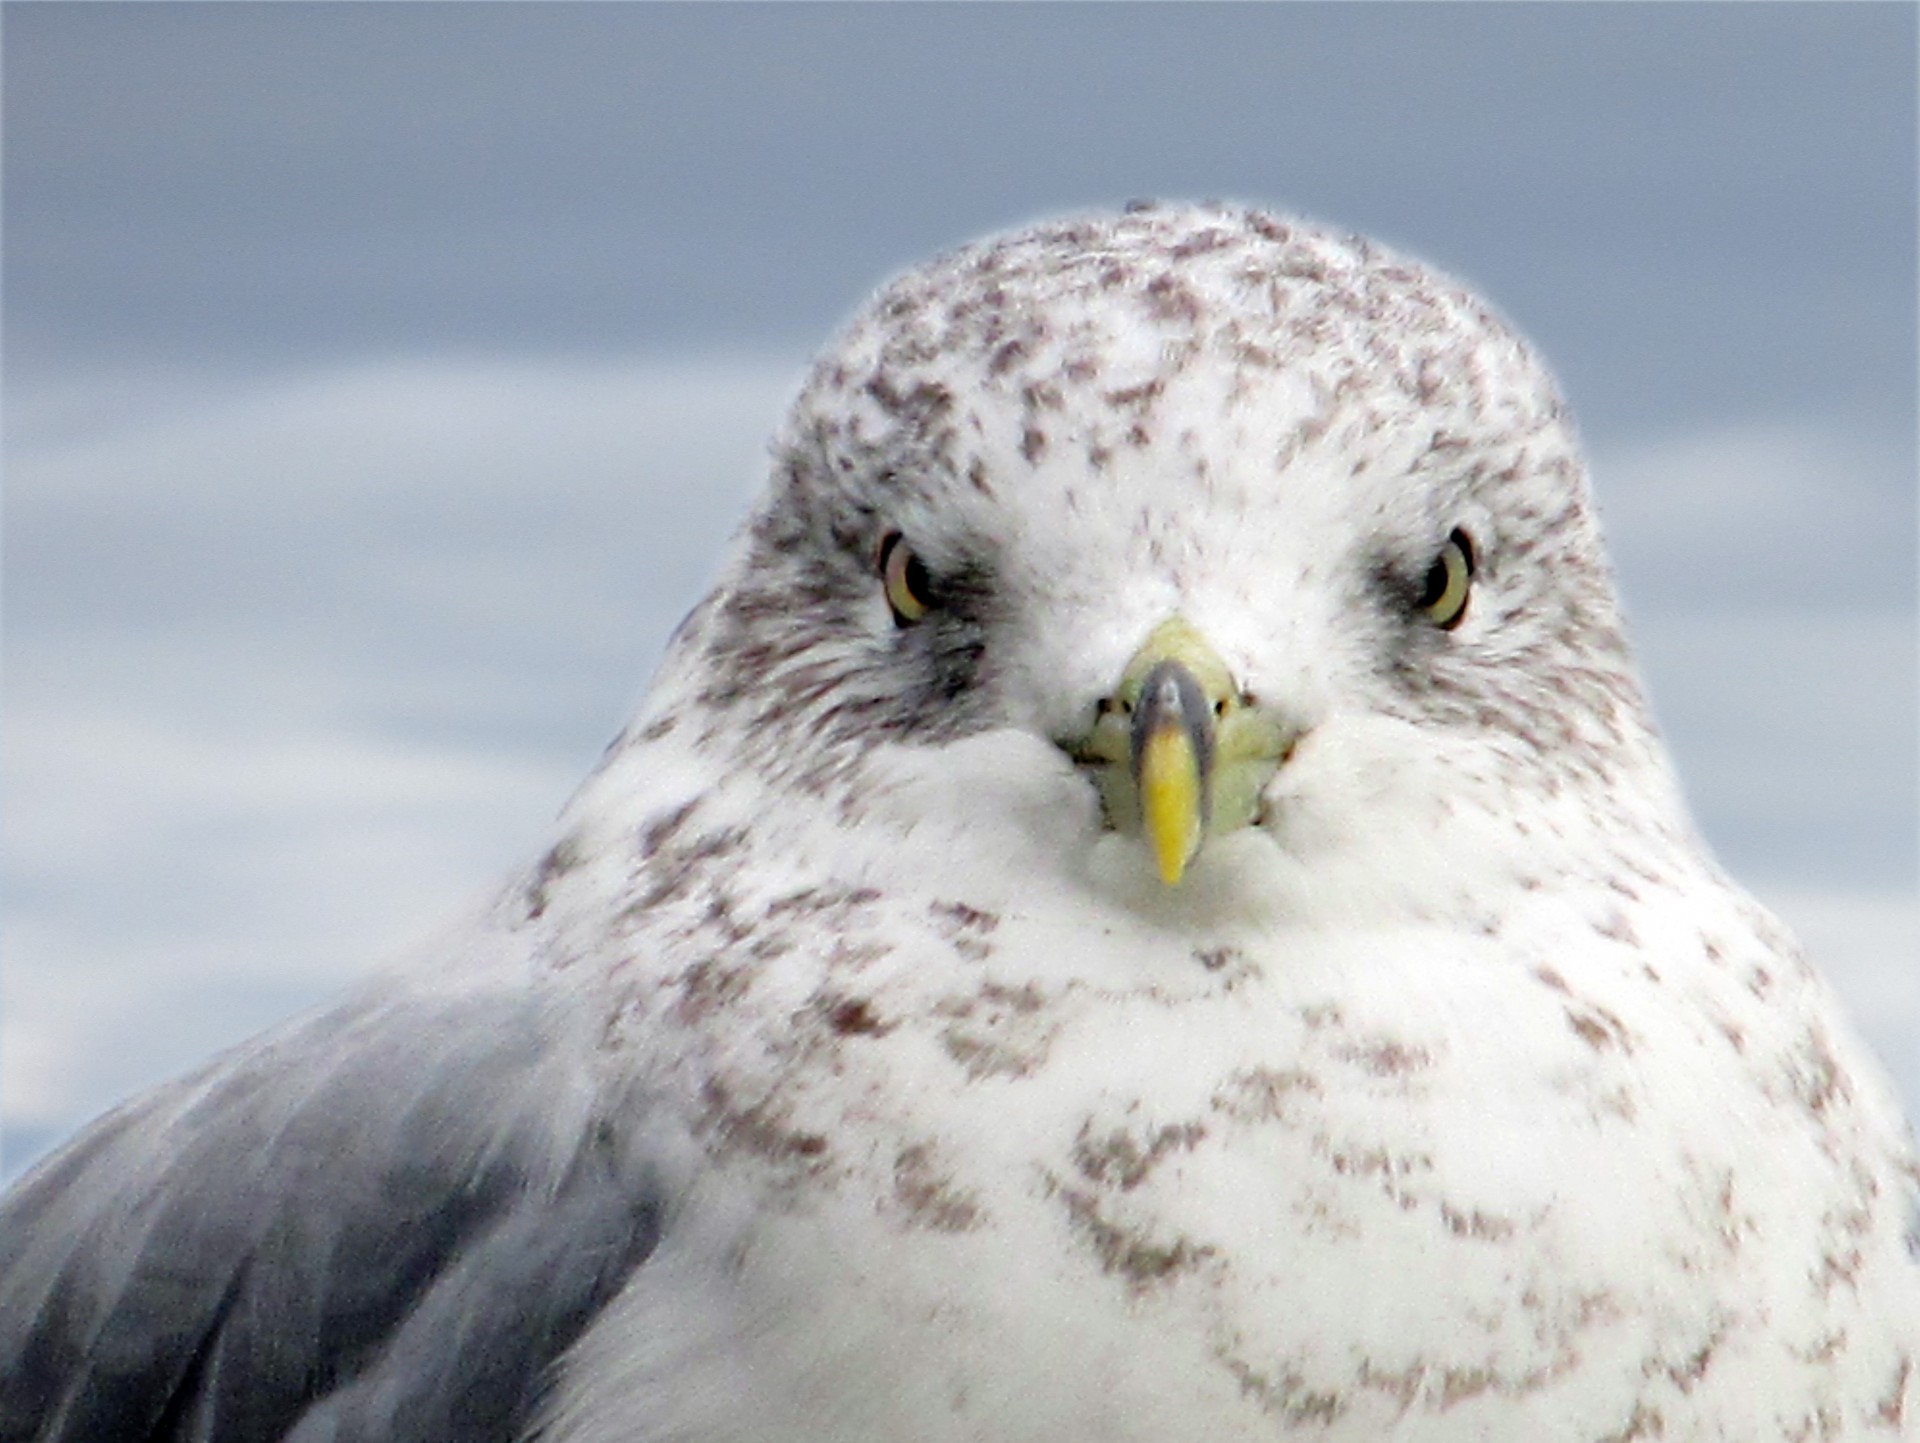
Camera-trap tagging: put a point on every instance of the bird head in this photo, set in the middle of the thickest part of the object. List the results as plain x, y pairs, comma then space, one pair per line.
1205, 524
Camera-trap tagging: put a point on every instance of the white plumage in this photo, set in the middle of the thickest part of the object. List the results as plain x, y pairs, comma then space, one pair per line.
861, 1078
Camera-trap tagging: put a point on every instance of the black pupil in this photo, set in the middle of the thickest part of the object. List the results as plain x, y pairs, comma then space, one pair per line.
915, 576
1435, 586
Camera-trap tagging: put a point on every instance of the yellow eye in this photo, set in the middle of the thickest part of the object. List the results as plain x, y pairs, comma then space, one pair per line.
1443, 596
909, 589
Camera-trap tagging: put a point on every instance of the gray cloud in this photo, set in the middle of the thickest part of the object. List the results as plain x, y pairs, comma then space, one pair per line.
310, 181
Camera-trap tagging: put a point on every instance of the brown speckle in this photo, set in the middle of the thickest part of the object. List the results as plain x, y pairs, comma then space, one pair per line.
1385, 1058
564, 856
1128, 1253
1230, 964
1483, 1227
1643, 1422
930, 1196
1006, 357
709, 986
1261, 1094
966, 929
1119, 1159
1824, 1349
965, 918
1170, 299
990, 1056
1599, 1028
813, 901
1893, 1407
1137, 398
1322, 1014
761, 1128
1390, 1171
854, 1017
1690, 1370
1459, 1384
1616, 928
1818, 1080
661, 830
849, 955
1287, 1396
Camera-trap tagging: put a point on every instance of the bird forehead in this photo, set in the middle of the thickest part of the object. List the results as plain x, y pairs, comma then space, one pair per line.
1088, 316
1128, 370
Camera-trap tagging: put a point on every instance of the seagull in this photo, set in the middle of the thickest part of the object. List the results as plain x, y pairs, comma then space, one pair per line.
1146, 904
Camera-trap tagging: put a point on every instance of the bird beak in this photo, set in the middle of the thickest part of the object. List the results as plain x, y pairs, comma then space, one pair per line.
1178, 751
1171, 758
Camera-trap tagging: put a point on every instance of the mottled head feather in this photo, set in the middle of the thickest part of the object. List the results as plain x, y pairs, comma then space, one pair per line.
1084, 422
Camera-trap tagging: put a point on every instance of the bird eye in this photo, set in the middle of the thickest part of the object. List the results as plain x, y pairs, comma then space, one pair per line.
909, 588
1443, 596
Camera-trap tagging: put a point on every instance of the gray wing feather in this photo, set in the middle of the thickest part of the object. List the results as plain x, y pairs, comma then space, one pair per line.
388, 1221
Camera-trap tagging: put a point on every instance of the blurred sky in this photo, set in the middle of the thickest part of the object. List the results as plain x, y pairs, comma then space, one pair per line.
382, 380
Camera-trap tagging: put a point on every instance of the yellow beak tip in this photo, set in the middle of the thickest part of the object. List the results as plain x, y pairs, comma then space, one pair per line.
1171, 792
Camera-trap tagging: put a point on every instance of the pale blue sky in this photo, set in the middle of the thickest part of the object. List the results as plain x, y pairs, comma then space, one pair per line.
382, 379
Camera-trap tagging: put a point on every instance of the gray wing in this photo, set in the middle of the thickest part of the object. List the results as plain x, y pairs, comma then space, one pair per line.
386, 1222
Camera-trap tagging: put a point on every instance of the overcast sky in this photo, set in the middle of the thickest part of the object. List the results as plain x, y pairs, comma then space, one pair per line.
382, 380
